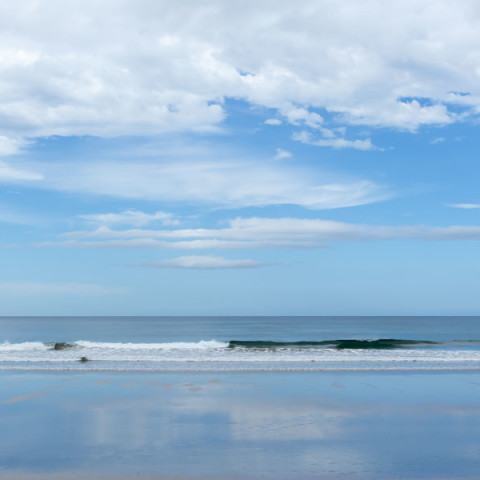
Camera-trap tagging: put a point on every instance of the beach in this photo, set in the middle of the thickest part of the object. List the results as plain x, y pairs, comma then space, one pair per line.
365, 425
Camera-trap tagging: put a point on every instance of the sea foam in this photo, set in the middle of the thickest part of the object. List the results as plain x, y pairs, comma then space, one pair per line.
238, 355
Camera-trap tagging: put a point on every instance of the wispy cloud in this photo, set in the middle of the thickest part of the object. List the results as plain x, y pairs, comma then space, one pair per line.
273, 121
8, 173
258, 233
282, 154
217, 183
135, 218
466, 206
205, 262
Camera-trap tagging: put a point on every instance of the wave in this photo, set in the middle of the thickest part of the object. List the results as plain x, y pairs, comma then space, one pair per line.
214, 345
241, 355
59, 345
202, 345
341, 344
84, 344
15, 347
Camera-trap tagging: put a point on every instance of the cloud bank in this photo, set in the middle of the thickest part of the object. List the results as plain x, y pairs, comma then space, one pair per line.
147, 67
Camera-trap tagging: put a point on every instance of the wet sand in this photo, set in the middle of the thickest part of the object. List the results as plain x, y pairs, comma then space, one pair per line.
324, 426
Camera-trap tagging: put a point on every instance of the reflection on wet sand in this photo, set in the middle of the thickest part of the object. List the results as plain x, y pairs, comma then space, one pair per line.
22, 398
323, 426
102, 382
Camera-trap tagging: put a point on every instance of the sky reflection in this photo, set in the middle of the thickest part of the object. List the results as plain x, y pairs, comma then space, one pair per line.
360, 425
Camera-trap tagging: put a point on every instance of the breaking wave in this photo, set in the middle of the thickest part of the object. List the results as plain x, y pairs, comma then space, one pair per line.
257, 355
377, 344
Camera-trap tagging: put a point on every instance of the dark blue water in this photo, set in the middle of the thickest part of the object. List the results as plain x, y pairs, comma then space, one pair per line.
193, 329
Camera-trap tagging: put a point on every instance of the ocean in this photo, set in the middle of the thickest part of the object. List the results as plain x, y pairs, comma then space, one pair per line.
239, 343
239, 398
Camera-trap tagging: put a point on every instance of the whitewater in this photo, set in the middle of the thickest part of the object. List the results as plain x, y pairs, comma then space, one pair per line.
212, 355
240, 344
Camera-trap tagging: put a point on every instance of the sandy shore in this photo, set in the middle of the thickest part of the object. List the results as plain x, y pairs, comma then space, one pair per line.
252, 426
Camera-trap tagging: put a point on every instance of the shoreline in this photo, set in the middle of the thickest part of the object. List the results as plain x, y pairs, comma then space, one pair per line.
241, 370
83, 476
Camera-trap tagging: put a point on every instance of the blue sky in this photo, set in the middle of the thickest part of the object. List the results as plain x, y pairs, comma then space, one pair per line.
215, 158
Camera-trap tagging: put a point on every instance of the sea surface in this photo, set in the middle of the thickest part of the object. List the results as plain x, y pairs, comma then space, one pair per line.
231, 344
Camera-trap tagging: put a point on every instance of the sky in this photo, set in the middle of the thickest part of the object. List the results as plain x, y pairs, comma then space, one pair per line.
239, 158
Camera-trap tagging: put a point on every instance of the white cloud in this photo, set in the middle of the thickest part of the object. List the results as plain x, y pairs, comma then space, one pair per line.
273, 121
437, 140
152, 66
465, 205
302, 117
132, 217
282, 154
257, 233
400, 114
10, 146
211, 182
205, 262
40, 288
335, 142
12, 174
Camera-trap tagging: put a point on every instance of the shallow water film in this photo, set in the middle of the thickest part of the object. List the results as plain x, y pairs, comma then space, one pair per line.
365, 425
